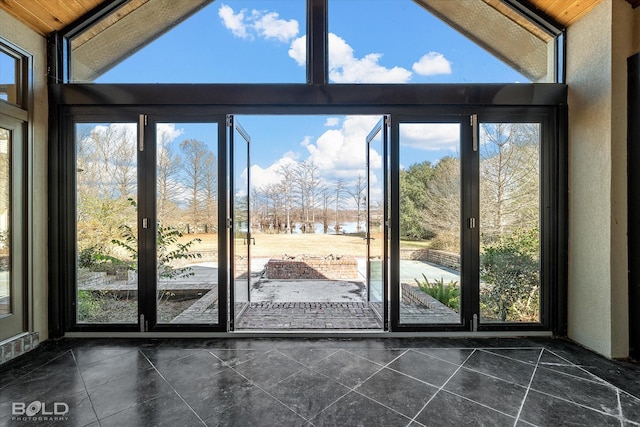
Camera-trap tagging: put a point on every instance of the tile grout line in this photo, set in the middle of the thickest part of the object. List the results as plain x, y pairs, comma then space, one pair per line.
479, 404
350, 389
575, 403
510, 358
421, 380
442, 386
603, 382
38, 367
526, 394
620, 408
84, 384
439, 358
172, 388
259, 387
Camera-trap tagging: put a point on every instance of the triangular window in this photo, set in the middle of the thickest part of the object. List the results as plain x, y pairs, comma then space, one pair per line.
257, 41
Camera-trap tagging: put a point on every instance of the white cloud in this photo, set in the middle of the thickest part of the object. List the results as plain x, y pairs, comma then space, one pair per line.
233, 21
298, 50
269, 26
167, 132
341, 153
263, 24
261, 177
430, 136
344, 67
431, 64
332, 122
306, 141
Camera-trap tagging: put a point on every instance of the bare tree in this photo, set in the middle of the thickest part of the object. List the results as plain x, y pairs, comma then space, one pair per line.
359, 195
441, 211
124, 162
307, 182
105, 180
509, 177
197, 162
326, 200
210, 190
287, 172
167, 170
274, 201
340, 192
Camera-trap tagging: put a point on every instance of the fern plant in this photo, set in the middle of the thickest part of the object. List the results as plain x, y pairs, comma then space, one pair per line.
448, 294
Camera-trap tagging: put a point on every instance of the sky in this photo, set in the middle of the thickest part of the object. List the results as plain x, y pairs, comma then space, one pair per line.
370, 41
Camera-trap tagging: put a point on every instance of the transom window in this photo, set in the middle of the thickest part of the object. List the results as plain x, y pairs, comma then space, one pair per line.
251, 41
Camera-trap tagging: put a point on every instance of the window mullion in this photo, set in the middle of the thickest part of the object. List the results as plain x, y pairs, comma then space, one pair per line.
317, 42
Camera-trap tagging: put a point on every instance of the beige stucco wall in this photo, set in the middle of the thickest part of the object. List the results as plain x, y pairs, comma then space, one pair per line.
596, 75
18, 34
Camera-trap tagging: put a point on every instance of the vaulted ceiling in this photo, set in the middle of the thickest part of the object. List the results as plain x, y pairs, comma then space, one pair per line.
46, 16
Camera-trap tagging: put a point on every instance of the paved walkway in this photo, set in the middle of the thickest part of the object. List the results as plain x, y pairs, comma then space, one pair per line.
308, 316
295, 304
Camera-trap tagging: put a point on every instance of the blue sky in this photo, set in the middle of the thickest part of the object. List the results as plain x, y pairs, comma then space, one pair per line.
257, 41
370, 41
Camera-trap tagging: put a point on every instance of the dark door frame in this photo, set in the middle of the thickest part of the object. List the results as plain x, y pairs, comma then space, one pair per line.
97, 101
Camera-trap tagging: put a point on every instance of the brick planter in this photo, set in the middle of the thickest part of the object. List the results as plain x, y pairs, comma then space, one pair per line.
445, 259
345, 268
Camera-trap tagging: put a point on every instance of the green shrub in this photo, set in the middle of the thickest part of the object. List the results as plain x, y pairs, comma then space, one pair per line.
448, 294
88, 305
167, 246
509, 269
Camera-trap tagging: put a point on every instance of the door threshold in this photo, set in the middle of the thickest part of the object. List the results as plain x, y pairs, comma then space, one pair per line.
311, 334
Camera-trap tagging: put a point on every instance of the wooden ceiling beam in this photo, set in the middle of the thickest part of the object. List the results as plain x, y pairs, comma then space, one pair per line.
45, 16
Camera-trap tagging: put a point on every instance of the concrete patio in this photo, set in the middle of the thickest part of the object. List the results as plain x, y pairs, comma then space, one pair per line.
310, 304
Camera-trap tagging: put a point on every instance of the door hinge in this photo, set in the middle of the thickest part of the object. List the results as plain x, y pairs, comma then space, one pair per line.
142, 125
145, 222
229, 121
387, 120
229, 223
474, 131
472, 223
474, 323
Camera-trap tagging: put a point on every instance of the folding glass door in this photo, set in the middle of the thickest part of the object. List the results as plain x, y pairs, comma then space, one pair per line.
430, 204
377, 217
467, 214
307, 222
452, 240
148, 250
240, 255
12, 294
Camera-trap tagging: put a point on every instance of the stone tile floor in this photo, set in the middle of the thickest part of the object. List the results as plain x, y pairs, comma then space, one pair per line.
322, 382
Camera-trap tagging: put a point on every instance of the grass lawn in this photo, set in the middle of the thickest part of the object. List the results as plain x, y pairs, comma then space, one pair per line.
276, 245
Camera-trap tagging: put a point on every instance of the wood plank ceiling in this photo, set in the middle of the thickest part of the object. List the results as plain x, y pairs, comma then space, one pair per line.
46, 16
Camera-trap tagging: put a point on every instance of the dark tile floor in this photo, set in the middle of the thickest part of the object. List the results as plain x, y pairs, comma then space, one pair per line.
321, 382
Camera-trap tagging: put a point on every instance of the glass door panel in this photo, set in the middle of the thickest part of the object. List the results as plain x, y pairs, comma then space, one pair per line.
12, 316
6, 297
187, 223
375, 199
106, 223
509, 222
429, 225
241, 221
